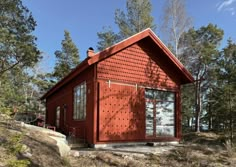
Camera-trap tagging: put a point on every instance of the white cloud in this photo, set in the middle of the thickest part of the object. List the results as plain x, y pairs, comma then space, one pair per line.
225, 5
231, 10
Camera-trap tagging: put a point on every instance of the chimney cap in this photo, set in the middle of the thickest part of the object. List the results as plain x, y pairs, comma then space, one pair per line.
90, 48
90, 52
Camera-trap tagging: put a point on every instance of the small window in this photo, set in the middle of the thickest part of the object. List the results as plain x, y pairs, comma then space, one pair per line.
80, 102
58, 117
64, 113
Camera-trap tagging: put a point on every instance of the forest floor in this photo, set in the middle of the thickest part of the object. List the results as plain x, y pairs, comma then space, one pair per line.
19, 148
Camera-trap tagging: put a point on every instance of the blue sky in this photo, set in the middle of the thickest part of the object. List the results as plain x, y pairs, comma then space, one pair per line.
83, 19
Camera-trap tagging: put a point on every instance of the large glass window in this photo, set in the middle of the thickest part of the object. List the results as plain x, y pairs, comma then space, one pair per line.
58, 110
160, 107
80, 102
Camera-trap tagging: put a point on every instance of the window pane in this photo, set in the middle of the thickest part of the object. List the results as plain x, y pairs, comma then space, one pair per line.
80, 102
160, 111
165, 118
149, 94
164, 96
85, 99
149, 118
58, 117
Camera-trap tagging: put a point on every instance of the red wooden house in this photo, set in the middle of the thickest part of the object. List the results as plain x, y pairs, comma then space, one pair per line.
130, 92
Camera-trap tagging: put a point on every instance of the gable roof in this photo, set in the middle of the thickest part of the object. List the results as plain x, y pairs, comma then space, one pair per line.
147, 33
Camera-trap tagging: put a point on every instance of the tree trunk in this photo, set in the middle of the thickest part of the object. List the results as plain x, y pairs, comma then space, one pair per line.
198, 106
210, 118
231, 120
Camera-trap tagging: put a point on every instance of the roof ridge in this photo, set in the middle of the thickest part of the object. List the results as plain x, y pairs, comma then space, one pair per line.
125, 40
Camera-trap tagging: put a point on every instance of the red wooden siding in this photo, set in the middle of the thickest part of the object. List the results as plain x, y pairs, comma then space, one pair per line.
121, 113
133, 65
122, 104
65, 96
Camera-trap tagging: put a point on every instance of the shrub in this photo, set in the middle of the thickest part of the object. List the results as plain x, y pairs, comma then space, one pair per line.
18, 163
14, 144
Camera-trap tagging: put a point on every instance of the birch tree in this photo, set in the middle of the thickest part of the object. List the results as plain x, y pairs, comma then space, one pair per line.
175, 21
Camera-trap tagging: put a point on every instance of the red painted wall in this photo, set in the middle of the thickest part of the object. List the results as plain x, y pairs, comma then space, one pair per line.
121, 112
65, 96
133, 65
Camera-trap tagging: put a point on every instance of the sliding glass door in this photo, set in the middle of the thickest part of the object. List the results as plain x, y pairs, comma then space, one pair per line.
160, 111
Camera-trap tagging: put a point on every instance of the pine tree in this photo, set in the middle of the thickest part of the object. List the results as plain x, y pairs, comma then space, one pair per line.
200, 53
18, 48
67, 58
135, 19
226, 87
107, 38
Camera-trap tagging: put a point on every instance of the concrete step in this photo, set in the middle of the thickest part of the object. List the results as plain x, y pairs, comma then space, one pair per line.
78, 145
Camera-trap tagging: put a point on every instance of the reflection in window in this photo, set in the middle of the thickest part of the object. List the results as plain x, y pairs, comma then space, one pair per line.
80, 102
64, 113
165, 118
149, 118
163, 104
58, 117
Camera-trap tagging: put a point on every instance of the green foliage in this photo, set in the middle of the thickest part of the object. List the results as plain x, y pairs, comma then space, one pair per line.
226, 62
18, 52
18, 163
199, 52
5, 110
223, 91
107, 38
18, 48
200, 48
11, 95
67, 58
19, 92
214, 90
44, 82
14, 144
187, 98
137, 18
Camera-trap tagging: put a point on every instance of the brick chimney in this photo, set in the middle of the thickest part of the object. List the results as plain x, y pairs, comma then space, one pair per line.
90, 52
